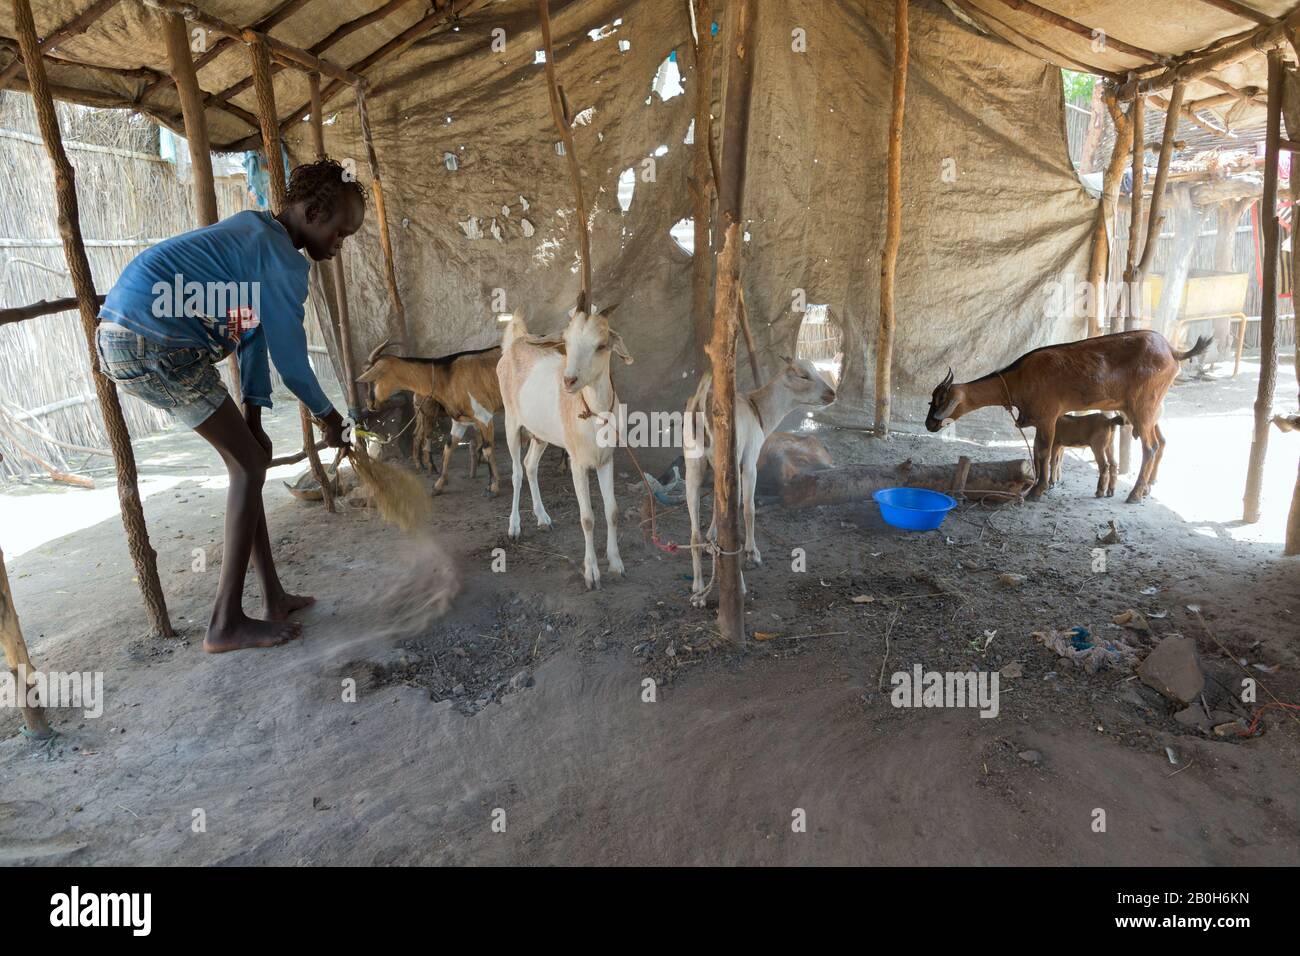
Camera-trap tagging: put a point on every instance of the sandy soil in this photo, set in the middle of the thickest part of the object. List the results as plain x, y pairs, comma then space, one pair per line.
525, 704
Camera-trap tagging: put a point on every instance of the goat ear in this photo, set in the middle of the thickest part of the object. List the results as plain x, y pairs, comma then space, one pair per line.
608, 310
616, 342
787, 360
370, 374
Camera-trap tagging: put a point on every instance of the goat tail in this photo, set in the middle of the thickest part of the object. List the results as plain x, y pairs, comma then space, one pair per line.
700, 400
515, 329
1202, 343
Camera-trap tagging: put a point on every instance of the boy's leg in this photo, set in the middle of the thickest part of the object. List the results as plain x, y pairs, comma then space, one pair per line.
277, 603
230, 628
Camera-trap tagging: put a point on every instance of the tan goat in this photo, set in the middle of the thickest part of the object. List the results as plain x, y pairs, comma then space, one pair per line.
561, 392
464, 384
1128, 372
1094, 431
799, 384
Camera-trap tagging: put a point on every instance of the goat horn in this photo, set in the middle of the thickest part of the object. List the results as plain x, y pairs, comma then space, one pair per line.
948, 381
370, 360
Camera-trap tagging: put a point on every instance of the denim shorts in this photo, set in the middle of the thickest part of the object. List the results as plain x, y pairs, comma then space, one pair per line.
182, 381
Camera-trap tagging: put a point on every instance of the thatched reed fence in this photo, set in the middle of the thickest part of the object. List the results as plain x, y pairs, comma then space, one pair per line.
130, 198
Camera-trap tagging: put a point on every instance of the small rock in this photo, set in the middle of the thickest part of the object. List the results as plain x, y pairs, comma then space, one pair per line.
458, 689
1031, 756
1013, 670
1011, 580
1174, 670
521, 680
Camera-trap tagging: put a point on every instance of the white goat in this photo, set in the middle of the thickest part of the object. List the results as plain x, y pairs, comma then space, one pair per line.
758, 413
560, 391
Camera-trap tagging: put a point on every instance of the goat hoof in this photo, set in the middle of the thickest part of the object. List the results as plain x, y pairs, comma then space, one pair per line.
544, 523
698, 600
437, 490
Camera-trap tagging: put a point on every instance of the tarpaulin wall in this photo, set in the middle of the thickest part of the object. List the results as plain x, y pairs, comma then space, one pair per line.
993, 213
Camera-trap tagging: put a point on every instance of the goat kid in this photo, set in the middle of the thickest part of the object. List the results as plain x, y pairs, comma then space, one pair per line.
464, 385
1094, 431
758, 413
1127, 372
561, 392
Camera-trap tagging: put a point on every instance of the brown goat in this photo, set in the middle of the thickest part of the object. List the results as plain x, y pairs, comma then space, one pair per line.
1088, 431
464, 384
1128, 372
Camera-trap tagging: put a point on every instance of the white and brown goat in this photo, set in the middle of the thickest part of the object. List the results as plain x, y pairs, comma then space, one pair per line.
561, 392
464, 385
1127, 372
1095, 431
758, 413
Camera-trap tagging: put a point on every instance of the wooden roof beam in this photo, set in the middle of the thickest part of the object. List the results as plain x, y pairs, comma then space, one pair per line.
275, 17
1074, 26
1239, 10
399, 42
1196, 66
288, 54
318, 48
78, 24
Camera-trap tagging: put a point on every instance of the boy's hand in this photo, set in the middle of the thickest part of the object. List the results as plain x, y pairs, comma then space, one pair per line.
333, 423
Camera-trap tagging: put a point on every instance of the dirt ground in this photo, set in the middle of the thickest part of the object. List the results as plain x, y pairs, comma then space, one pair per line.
524, 706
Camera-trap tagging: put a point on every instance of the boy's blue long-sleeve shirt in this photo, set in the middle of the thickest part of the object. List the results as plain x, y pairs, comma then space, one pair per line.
239, 284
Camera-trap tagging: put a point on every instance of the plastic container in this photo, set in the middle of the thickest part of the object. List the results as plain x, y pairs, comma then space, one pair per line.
913, 509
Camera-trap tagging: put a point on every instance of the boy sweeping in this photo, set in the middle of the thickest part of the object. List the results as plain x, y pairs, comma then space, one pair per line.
184, 305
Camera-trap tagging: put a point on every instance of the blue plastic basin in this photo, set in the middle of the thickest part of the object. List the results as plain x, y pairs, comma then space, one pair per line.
913, 509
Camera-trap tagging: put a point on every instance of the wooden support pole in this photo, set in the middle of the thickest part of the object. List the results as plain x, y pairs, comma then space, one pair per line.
1268, 295
196, 127
1132, 294
177, 36
339, 301
1156, 215
701, 179
74, 250
1103, 227
893, 225
381, 214
260, 56
740, 53
17, 659
563, 125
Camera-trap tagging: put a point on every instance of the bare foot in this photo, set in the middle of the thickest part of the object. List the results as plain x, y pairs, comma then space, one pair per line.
245, 632
279, 608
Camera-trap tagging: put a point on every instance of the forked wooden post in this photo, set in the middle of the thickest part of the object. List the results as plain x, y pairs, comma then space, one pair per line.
726, 308
1103, 227
177, 36
563, 125
1132, 294
1268, 295
16, 657
74, 250
260, 56
1156, 215
893, 225
381, 214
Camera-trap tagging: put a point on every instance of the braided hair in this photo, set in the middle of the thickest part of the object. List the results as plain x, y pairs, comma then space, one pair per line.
320, 187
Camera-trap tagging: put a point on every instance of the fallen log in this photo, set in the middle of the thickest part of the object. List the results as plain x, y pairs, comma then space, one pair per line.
845, 484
